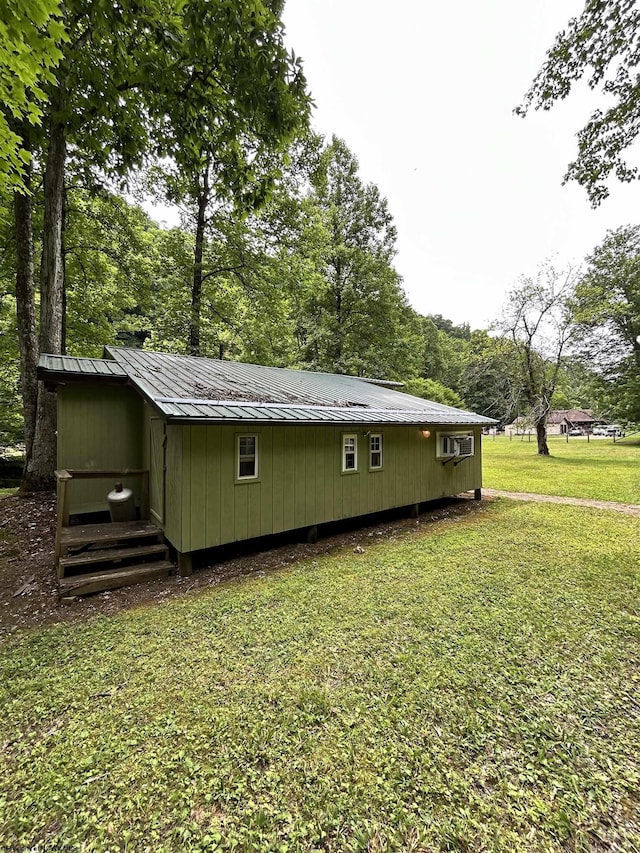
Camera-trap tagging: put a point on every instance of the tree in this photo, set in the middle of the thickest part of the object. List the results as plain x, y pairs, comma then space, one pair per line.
428, 389
357, 320
136, 80
453, 350
580, 387
94, 111
603, 44
244, 313
462, 331
31, 33
11, 425
488, 381
112, 260
256, 270
226, 159
607, 309
433, 367
538, 322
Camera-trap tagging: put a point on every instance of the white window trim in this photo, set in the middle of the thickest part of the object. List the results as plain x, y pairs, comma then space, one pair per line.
345, 436
242, 478
379, 467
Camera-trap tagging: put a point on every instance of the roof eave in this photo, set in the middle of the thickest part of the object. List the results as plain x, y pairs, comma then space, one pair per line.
187, 420
53, 378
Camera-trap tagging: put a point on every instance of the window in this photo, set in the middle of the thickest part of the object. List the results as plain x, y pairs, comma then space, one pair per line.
375, 451
455, 444
349, 453
247, 457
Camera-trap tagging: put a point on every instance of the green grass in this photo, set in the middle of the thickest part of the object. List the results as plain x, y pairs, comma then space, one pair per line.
599, 469
471, 686
8, 493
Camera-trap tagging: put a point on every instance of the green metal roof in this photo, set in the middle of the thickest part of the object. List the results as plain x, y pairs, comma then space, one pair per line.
186, 388
50, 366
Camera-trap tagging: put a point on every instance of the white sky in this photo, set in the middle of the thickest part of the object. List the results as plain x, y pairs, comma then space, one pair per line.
423, 93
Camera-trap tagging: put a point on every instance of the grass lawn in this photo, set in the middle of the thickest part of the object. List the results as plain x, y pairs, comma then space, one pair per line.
471, 686
599, 469
8, 492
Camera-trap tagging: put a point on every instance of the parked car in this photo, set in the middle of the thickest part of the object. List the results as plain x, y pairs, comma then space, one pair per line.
575, 431
614, 430
599, 430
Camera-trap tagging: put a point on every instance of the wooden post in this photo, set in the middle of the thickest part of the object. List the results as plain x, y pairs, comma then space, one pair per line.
414, 511
62, 518
185, 564
312, 534
477, 494
144, 495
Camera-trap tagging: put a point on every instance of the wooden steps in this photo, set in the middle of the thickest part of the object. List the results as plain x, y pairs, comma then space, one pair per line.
110, 555
85, 584
96, 557
84, 534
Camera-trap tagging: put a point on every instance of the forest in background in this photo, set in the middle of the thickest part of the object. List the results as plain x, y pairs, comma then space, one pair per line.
307, 281
284, 256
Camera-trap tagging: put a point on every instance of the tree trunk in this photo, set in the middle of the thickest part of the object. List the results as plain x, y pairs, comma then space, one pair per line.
63, 256
26, 312
52, 270
39, 473
338, 340
541, 434
196, 285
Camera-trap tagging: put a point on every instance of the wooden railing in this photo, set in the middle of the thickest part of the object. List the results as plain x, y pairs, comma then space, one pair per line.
63, 482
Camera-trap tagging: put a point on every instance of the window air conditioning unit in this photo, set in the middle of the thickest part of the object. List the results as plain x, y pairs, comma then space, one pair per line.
456, 445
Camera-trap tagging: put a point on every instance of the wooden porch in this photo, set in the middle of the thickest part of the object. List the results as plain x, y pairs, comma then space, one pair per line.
96, 557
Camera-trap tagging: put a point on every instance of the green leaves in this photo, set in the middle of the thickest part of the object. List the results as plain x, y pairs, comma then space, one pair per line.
429, 389
602, 45
607, 311
31, 36
112, 257
356, 318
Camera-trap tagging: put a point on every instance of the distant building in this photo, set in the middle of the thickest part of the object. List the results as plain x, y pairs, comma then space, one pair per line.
560, 422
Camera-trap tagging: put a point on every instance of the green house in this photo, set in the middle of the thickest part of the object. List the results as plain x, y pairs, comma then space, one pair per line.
235, 451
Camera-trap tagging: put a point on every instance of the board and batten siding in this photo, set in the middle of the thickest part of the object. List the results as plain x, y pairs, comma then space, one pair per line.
300, 480
154, 443
98, 427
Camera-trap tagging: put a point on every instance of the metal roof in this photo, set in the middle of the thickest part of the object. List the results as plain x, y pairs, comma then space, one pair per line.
70, 365
190, 388
194, 389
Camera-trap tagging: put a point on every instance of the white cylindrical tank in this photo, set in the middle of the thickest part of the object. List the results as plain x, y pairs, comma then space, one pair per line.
122, 506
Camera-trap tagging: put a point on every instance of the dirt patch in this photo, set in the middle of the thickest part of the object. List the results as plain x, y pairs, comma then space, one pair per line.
28, 586
613, 506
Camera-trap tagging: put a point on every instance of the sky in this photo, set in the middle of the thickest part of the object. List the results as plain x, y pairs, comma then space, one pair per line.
423, 94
